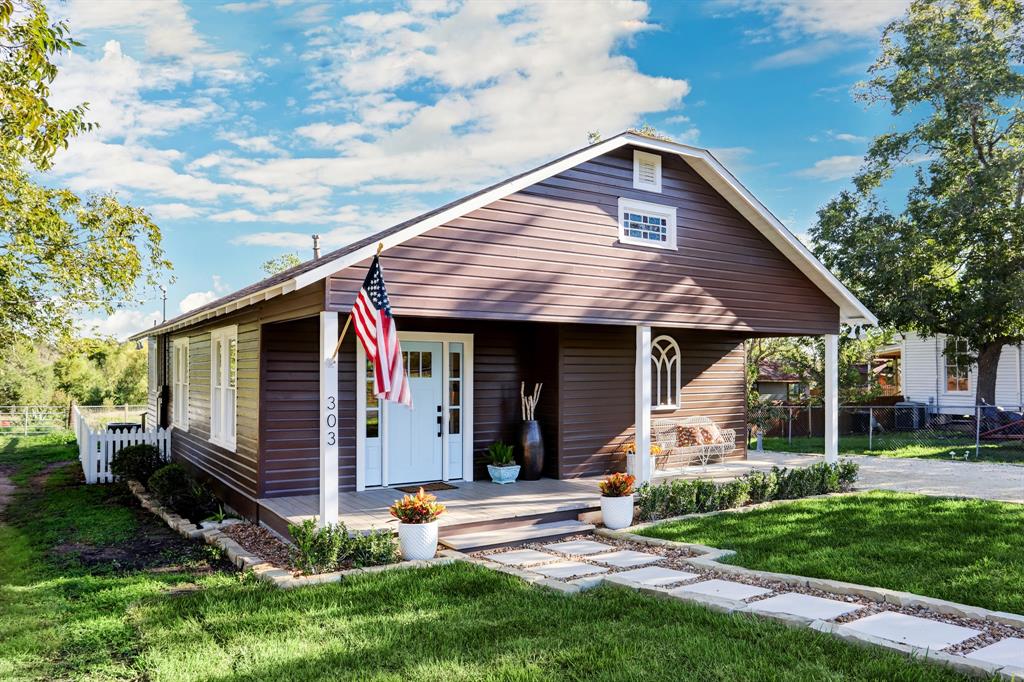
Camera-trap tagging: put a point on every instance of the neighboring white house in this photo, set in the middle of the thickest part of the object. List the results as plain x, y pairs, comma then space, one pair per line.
935, 371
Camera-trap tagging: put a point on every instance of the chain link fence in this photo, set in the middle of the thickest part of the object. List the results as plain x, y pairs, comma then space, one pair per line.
986, 433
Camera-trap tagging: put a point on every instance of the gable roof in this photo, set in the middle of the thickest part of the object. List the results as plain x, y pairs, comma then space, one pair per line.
851, 310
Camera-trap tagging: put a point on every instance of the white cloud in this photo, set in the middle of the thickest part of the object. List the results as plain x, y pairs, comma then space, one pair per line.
833, 168
200, 298
327, 135
858, 18
173, 211
120, 324
350, 224
262, 144
847, 137
803, 54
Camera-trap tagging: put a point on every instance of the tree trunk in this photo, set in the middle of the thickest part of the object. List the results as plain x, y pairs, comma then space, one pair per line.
988, 369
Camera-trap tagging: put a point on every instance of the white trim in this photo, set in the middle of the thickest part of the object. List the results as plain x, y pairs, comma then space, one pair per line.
228, 333
641, 157
643, 467
466, 408
329, 426
656, 378
658, 210
180, 421
851, 310
831, 398
944, 366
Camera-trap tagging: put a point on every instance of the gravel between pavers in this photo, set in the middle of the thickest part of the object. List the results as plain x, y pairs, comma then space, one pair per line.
677, 558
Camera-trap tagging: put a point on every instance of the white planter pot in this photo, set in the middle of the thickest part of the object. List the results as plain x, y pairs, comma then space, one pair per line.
617, 512
417, 541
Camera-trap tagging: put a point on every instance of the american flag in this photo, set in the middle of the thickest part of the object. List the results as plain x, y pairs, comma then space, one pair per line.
375, 327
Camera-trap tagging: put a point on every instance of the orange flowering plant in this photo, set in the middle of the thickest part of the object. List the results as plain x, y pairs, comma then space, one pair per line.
419, 508
618, 485
631, 448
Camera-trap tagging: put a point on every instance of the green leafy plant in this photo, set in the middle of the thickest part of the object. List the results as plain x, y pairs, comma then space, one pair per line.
316, 549
136, 462
501, 454
373, 548
676, 498
177, 489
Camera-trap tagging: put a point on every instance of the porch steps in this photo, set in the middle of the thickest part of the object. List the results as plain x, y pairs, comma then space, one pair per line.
490, 538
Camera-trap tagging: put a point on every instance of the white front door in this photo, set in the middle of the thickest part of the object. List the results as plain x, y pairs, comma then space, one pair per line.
414, 435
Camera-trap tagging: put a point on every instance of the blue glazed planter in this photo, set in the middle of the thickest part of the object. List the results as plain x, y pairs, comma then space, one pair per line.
503, 475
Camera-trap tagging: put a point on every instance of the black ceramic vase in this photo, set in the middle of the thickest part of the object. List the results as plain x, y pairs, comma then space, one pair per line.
533, 450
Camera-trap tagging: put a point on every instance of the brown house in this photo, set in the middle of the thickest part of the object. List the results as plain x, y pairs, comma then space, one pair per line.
625, 276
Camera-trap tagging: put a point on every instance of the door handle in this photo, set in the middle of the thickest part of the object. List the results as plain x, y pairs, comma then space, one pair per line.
440, 423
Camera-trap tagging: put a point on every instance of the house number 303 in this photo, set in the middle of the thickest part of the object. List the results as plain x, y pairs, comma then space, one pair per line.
331, 420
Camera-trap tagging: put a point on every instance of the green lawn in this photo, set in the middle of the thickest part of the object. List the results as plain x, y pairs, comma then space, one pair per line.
179, 615
903, 445
970, 551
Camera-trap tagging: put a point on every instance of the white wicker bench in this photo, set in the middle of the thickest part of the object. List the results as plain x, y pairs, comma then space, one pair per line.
665, 434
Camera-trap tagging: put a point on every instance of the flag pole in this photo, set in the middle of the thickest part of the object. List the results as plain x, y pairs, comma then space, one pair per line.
348, 320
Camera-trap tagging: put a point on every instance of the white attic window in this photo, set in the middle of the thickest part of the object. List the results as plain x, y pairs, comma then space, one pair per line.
646, 171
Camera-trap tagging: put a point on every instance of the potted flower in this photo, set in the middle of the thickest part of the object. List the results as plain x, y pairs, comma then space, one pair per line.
503, 468
617, 501
417, 528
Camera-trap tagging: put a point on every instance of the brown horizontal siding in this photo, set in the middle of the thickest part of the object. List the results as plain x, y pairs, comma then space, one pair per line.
595, 403
713, 376
551, 253
240, 470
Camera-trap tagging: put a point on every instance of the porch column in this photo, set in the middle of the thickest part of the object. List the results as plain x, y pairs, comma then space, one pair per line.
328, 419
642, 464
831, 397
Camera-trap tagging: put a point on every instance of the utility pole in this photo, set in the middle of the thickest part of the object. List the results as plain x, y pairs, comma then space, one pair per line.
163, 299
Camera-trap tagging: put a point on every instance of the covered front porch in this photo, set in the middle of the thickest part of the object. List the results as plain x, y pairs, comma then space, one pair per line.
481, 503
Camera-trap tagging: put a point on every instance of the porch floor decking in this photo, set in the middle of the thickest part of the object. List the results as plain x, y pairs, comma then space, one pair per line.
483, 501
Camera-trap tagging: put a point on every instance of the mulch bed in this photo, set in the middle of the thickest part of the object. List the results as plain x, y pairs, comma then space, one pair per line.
262, 543
676, 558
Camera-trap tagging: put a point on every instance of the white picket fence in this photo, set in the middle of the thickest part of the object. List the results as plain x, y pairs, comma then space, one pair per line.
96, 447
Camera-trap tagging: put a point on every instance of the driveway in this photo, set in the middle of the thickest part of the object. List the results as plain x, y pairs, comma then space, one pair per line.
926, 476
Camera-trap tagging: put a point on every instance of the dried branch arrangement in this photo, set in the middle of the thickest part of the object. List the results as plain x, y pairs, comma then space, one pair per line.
529, 401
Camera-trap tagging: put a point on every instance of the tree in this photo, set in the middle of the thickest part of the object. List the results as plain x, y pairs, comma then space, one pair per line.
59, 253
285, 261
952, 261
101, 372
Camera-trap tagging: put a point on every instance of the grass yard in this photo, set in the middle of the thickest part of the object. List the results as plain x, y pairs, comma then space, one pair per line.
93, 588
903, 445
970, 551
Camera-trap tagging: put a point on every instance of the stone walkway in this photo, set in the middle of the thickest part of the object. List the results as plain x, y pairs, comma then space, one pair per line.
585, 562
1003, 482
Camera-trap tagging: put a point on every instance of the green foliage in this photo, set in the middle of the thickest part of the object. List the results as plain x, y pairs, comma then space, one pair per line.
177, 489
676, 498
285, 261
26, 374
136, 462
59, 253
952, 261
101, 372
326, 549
501, 454
966, 550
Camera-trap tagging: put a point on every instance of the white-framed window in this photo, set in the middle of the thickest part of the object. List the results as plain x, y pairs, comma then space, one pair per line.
645, 224
958, 365
223, 385
179, 385
151, 365
666, 373
646, 171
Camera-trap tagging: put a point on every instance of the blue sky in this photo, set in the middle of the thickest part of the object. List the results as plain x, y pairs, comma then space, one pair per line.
246, 126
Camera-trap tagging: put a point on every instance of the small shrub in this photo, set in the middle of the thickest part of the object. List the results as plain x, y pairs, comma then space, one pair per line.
371, 549
501, 454
848, 471
733, 494
136, 463
618, 485
316, 549
177, 489
419, 508
762, 485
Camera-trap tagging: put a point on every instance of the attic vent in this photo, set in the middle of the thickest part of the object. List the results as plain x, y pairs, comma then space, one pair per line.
646, 171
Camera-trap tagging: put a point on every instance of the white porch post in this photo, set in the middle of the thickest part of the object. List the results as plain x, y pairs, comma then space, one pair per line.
328, 419
831, 397
642, 464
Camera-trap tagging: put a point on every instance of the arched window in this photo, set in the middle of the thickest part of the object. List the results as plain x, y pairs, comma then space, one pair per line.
665, 373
